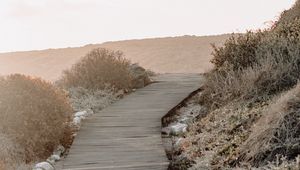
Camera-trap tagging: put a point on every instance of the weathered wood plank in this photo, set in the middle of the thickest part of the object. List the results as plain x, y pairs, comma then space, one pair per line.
126, 135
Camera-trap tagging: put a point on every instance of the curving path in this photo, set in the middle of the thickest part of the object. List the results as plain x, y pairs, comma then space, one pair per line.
127, 134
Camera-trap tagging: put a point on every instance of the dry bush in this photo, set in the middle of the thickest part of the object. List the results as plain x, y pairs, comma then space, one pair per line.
290, 15
97, 70
271, 67
227, 80
10, 153
276, 133
238, 51
35, 115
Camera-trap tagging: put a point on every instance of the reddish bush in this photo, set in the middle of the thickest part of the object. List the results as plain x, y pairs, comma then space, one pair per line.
34, 114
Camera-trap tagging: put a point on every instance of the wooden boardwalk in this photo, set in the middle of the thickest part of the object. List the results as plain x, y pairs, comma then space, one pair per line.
127, 134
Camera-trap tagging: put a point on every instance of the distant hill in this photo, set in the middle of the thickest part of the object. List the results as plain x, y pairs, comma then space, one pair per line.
164, 55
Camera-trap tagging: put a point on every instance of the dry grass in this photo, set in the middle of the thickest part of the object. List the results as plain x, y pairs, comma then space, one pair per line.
281, 163
217, 137
277, 133
84, 99
34, 116
97, 70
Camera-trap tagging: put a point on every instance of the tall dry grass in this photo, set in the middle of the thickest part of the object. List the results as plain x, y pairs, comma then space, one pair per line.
277, 133
35, 118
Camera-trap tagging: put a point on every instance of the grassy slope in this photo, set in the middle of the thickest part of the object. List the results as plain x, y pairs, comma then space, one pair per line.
252, 103
177, 54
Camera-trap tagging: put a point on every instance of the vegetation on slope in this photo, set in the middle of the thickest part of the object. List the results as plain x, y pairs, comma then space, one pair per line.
252, 117
290, 15
277, 132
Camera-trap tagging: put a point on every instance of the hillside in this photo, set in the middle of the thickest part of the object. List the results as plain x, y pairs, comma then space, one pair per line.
184, 54
246, 115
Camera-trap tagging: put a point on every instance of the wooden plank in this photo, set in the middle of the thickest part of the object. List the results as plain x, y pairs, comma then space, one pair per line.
126, 135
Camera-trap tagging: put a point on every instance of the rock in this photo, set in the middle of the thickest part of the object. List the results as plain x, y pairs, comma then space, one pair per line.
53, 158
44, 166
139, 75
174, 129
59, 151
81, 114
178, 129
77, 121
186, 120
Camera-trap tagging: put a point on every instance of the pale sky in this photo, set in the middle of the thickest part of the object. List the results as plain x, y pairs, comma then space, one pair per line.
41, 24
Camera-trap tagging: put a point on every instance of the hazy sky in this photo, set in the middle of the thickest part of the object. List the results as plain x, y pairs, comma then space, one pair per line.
40, 24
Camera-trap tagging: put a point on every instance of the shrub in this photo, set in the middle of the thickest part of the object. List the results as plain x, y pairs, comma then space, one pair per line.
290, 15
271, 67
97, 70
34, 115
10, 153
238, 51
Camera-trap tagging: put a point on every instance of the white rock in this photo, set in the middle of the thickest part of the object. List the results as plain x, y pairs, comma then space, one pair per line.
54, 158
186, 120
44, 166
59, 151
178, 129
81, 114
77, 120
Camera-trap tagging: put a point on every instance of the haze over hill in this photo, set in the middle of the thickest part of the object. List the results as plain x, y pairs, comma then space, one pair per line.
186, 54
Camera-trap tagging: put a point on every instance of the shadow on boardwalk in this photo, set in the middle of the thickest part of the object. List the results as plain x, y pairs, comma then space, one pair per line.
127, 135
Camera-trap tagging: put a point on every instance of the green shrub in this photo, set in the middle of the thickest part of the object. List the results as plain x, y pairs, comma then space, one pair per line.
34, 115
97, 70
